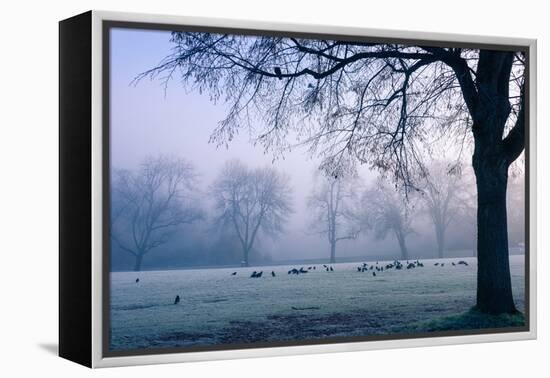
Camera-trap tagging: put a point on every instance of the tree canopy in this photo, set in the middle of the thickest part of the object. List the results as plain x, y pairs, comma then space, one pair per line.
347, 101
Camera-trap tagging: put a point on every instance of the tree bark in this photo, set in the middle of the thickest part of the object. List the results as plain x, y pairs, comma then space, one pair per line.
494, 288
139, 259
333, 252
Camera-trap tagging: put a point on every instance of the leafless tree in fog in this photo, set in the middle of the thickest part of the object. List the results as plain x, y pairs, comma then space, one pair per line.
332, 205
386, 211
441, 197
149, 204
251, 201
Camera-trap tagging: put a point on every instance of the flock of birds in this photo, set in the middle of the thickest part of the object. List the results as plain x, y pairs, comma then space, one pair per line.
373, 268
302, 270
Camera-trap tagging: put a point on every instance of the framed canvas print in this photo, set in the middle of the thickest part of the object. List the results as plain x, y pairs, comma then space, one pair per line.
235, 189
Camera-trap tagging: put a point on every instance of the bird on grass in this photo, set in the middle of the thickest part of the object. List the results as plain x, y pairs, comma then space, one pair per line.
374, 274
331, 269
234, 273
137, 280
177, 300
272, 273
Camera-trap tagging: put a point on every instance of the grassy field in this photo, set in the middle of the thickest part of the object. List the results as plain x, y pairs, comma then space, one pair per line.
219, 308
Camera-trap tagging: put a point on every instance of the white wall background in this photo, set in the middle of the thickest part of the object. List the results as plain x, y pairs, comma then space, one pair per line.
28, 189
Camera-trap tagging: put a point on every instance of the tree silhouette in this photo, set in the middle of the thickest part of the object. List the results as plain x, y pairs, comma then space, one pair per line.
372, 103
149, 204
385, 210
441, 197
332, 204
250, 201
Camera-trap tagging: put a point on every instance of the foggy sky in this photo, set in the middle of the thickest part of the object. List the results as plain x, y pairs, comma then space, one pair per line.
146, 120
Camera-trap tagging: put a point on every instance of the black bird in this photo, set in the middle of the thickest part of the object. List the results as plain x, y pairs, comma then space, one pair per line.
359, 269
453, 263
259, 274
290, 271
436, 264
278, 73
314, 268
177, 300
325, 266
332, 270
462, 262
302, 270
272, 273
308, 268
137, 280
234, 273
374, 274
254, 274
442, 264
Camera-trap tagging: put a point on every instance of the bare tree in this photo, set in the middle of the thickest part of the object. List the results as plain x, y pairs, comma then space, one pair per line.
150, 203
332, 204
372, 103
250, 201
441, 197
385, 210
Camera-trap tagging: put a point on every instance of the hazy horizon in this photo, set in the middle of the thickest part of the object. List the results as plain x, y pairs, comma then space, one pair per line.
147, 120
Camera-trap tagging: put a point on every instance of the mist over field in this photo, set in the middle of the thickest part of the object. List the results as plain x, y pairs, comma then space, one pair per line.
150, 120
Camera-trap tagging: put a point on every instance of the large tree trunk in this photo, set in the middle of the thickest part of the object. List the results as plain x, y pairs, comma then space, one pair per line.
494, 289
490, 109
333, 252
139, 259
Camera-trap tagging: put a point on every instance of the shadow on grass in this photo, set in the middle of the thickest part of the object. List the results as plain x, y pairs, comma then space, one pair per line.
472, 319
